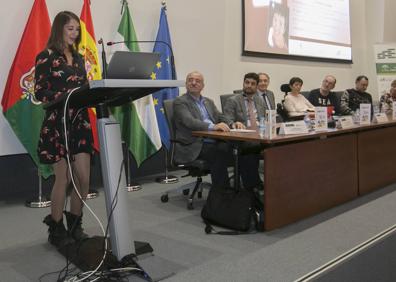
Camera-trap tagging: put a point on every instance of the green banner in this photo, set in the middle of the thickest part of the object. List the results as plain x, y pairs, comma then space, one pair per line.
386, 68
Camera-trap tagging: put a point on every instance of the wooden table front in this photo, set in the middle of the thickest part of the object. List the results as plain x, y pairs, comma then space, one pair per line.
309, 173
377, 158
303, 179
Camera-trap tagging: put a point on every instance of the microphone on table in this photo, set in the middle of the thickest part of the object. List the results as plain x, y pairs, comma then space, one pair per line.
172, 59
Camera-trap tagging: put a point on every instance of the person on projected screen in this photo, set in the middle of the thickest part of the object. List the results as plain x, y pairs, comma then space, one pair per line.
278, 31
59, 69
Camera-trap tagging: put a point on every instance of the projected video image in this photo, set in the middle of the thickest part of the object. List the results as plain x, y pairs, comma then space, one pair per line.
307, 28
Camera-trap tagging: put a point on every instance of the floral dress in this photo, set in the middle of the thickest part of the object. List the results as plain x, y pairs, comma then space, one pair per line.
54, 77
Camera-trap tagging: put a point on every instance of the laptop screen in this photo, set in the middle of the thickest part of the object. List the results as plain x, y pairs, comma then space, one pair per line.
132, 65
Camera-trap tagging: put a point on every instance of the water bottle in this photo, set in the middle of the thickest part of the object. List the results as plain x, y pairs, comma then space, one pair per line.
307, 121
262, 127
356, 116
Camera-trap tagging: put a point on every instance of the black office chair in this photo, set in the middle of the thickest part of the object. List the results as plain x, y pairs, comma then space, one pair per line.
223, 100
197, 168
280, 109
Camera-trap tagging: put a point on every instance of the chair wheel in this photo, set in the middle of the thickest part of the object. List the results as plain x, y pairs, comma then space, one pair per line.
186, 192
164, 198
199, 195
190, 206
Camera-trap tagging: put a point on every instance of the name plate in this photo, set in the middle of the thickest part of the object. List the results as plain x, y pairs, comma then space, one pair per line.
365, 114
345, 122
320, 118
380, 117
293, 127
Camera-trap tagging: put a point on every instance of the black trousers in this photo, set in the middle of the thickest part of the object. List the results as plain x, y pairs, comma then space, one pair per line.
219, 156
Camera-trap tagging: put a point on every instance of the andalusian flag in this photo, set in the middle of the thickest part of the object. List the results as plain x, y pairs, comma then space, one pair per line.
88, 50
24, 113
139, 128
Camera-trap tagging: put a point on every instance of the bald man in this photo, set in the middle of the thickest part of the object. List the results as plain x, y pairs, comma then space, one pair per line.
193, 112
323, 96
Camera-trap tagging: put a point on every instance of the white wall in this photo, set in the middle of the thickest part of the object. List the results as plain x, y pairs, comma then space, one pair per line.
207, 36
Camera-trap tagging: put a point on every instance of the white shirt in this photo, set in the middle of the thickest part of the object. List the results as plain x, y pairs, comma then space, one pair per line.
297, 105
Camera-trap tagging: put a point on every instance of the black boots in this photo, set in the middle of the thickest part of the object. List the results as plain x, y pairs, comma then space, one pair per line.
74, 226
57, 234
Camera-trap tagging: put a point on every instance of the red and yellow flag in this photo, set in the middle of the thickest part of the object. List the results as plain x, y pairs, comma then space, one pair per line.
89, 51
24, 113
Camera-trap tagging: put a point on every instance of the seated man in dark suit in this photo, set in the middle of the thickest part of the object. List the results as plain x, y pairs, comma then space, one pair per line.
323, 96
194, 112
352, 98
262, 90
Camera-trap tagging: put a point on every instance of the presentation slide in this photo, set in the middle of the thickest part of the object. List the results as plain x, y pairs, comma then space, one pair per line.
306, 28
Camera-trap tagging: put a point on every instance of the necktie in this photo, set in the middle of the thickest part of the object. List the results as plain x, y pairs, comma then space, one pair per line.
267, 101
252, 115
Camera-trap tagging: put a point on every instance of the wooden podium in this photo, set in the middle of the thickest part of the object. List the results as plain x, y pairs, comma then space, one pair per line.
102, 94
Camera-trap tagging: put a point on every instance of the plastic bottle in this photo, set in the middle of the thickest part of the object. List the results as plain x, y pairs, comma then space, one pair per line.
262, 127
357, 116
307, 121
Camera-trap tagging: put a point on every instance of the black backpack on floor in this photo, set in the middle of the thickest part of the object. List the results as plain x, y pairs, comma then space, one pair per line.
240, 211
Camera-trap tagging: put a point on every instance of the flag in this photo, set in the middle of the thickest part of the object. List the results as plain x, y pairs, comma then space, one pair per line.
88, 50
24, 113
164, 70
139, 128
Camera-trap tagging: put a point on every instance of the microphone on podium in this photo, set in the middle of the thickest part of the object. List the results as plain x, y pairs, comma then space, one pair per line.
104, 61
172, 60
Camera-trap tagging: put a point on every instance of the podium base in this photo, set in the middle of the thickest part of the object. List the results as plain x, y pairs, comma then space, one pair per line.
167, 179
132, 187
42, 202
92, 194
87, 254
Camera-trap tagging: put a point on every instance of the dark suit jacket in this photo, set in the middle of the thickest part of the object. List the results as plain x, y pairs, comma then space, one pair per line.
271, 99
187, 118
235, 108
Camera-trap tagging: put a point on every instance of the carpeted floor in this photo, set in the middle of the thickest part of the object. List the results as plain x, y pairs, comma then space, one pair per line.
182, 250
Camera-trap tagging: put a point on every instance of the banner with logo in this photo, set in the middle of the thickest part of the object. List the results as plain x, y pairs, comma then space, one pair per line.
385, 62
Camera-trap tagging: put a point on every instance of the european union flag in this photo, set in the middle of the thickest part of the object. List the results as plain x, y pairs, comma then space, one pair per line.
165, 69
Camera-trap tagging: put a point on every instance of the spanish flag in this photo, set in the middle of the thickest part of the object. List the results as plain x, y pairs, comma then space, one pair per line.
88, 50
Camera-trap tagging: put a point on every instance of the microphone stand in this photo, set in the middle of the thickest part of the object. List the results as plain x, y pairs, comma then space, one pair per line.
104, 61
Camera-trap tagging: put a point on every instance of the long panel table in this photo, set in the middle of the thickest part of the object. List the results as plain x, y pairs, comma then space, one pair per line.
309, 173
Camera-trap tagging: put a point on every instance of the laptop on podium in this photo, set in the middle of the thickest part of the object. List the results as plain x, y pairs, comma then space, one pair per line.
132, 65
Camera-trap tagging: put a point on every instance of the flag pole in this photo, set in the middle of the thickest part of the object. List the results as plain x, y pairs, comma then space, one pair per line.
167, 179
131, 186
41, 201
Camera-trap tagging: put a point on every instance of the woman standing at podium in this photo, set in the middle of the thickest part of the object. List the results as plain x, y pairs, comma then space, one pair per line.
59, 69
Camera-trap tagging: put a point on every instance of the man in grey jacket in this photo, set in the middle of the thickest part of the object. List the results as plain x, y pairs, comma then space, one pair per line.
247, 107
192, 112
